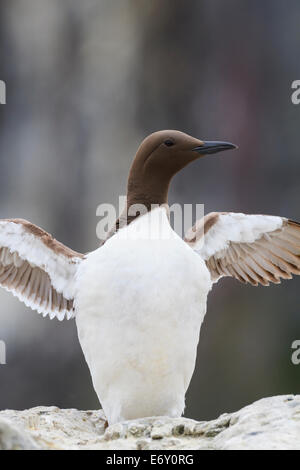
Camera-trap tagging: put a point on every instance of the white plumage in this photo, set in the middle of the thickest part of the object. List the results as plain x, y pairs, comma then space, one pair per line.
238, 228
140, 303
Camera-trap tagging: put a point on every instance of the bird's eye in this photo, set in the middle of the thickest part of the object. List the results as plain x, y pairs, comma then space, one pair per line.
169, 142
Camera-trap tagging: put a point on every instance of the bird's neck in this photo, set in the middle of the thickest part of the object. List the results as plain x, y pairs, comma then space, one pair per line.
146, 190
147, 186
148, 194
142, 197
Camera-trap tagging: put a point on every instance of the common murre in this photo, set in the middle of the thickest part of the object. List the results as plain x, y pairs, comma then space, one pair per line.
139, 300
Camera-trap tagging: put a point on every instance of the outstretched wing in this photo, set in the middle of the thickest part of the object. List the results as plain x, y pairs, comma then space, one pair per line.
37, 269
252, 248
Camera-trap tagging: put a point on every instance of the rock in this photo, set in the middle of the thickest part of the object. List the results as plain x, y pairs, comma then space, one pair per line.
14, 438
270, 423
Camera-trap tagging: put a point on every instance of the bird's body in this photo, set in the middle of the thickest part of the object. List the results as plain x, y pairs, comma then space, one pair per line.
140, 304
139, 300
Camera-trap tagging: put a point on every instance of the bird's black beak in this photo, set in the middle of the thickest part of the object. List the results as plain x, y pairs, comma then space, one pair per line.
213, 147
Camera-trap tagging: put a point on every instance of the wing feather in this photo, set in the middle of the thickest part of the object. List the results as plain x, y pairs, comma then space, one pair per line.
37, 269
257, 249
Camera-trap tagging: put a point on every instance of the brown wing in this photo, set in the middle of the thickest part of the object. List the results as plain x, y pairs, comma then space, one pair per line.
254, 249
37, 269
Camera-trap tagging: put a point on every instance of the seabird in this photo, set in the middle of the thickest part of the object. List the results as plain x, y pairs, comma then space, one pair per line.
140, 298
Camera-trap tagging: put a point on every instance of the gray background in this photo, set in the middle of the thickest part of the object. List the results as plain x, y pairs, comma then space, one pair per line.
86, 81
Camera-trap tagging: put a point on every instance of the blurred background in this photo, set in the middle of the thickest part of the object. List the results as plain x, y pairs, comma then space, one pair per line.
86, 82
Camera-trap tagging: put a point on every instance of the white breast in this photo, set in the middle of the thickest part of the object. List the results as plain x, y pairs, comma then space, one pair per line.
140, 303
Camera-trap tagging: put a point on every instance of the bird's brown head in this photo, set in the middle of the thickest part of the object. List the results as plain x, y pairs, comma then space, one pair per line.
160, 156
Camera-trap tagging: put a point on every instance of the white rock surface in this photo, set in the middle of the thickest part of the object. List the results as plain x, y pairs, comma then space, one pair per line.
270, 423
